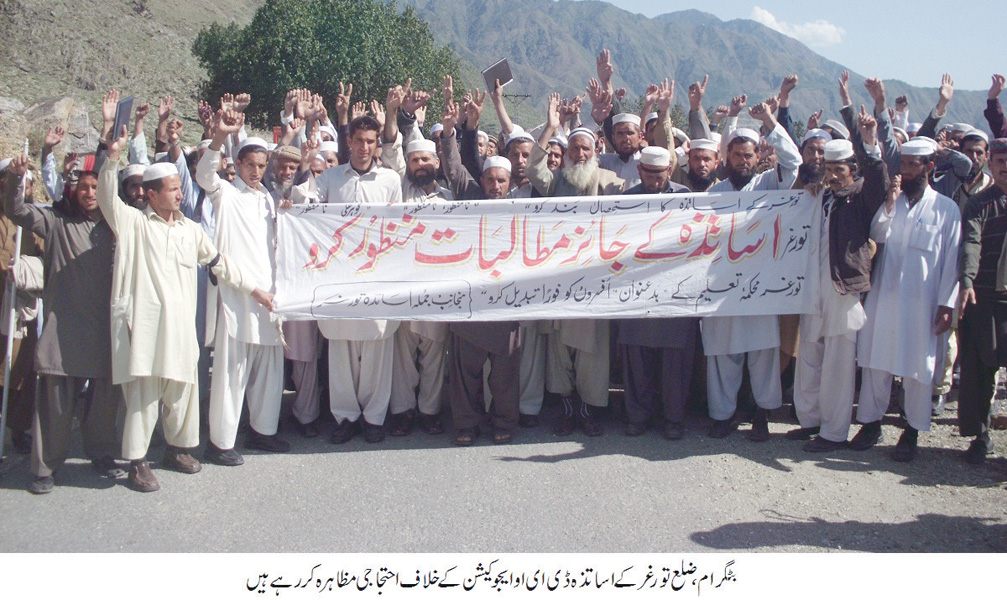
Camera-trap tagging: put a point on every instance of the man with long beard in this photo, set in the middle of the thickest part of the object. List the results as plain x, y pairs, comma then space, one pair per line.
909, 308
730, 342
578, 348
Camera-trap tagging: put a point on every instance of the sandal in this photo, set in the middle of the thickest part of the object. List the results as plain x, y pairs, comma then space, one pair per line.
466, 437
501, 437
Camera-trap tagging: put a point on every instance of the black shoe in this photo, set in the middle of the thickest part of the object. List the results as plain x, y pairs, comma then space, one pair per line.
307, 430
905, 449
722, 429
978, 449
22, 442
344, 432
760, 426
107, 467
820, 444
869, 436
634, 430
430, 424
224, 458
673, 431
527, 421
400, 424
564, 425
373, 433
267, 443
937, 403
803, 433
42, 485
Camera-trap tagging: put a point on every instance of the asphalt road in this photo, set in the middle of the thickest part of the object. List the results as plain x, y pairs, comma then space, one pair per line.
539, 494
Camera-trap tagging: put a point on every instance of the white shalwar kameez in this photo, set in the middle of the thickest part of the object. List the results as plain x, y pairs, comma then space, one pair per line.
727, 341
916, 274
248, 354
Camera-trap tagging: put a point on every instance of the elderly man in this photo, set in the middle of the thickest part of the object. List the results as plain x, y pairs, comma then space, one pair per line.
730, 342
153, 306
578, 348
475, 343
360, 352
826, 367
248, 355
983, 305
910, 304
657, 354
74, 348
420, 347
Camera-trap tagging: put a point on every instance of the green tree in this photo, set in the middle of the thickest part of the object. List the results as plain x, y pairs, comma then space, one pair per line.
296, 44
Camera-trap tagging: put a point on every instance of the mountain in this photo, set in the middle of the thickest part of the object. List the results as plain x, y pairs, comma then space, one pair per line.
552, 47
55, 48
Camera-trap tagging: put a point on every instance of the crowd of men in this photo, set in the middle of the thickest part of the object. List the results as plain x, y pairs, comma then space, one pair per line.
154, 273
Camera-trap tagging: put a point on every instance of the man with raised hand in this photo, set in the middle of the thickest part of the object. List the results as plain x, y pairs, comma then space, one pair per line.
578, 348
730, 342
909, 307
473, 343
827, 356
248, 354
154, 347
74, 347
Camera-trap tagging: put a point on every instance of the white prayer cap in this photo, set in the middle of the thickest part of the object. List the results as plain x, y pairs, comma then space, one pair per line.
518, 135
133, 171
437, 128
203, 144
159, 171
651, 117
252, 142
960, 127
679, 135
680, 153
977, 133
483, 135
421, 146
913, 127
558, 140
905, 134
744, 133
228, 161
919, 146
838, 128
581, 131
703, 144
4, 164
838, 150
816, 133
160, 156
655, 156
328, 147
270, 147
496, 162
626, 118
716, 137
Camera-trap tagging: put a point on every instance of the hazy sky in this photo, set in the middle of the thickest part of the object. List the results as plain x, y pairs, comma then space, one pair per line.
915, 42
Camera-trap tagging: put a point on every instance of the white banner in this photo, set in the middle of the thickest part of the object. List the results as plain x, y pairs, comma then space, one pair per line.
745, 253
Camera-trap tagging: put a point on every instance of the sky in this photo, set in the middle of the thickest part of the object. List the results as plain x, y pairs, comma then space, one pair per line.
877, 39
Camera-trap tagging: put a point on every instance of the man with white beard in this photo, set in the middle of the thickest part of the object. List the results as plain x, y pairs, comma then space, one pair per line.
730, 342
578, 348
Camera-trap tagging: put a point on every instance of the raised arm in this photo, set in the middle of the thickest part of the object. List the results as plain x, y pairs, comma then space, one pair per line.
994, 112
944, 94
29, 216
115, 211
